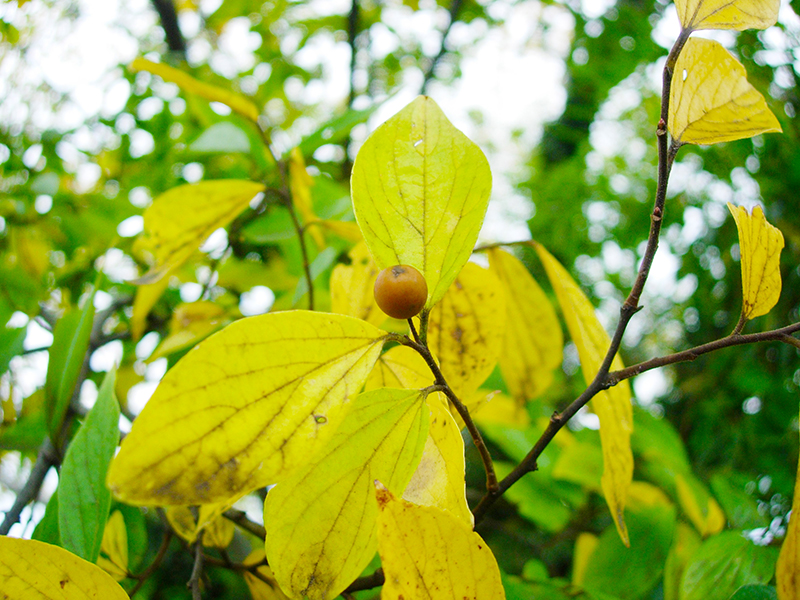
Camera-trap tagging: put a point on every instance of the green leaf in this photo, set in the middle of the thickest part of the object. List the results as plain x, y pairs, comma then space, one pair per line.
244, 408
70, 343
37, 571
723, 564
336, 130
321, 521
84, 499
755, 592
46, 530
221, 137
11, 341
420, 190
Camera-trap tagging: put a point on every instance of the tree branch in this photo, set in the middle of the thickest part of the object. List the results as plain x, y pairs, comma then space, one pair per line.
47, 457
169, 22
455, 8
240, 518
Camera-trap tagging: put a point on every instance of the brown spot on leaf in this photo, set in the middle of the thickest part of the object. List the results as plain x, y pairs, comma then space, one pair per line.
63, 583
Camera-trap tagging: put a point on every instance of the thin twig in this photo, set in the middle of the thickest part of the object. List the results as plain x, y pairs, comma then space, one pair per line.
240, 518
304, 251
197, 570
46, 457
367, 582
153, 566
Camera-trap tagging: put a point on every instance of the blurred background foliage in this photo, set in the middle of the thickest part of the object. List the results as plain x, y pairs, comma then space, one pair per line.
715, 439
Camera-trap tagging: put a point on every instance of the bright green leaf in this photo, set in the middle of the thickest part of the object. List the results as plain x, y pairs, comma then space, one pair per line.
84, 499
533, 344
755, 592
321, 521
221, 137
46, 530
244, 408
760, 246
420, 191
612, 406
685, 543
727, 14
187, 83
37, 571
711, 100
428, 553
179, 220
723, 564
70, 343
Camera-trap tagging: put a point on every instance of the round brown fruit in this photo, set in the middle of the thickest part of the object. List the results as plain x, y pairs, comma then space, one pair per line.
401, 291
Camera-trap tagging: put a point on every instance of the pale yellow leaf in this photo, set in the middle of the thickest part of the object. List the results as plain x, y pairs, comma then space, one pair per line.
420, 190
787, 571
465, 329
300, 183
190, 323
179, 220
701, 508
144, 301
612, 406
260, 589
352, 287
347, 230
32, 570
187, 83
217, 530
585, 545
711, 100
533, 342
430, 554
727, 14
321, 521
499, 409
218, 533
400, 367
244, 408
760, 246
113, 557
439, 478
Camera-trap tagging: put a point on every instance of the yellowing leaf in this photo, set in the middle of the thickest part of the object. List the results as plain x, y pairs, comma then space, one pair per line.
183, 523
37, 571
144, 301
352, 287
347, 230
439, 478
500, 409
244, 408
187, 83
612, 406
113, 557
760, 245
428, 554
218, 533
585, 546
260, 589
179, 220
787, 571
533, 343
400, 366
701, 508
711, 100
420, 191
300, 183
321, 521
217, 530
190, 323
465, 329
727, 14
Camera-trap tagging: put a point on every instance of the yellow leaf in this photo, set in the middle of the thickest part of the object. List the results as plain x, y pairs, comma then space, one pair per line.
701, 508
179, 220
760, 246
612, 406
144, 301
37, 571
300, 183
244, 408
321, 521
32, 249
465, 329
400, 367
429, 554
533, 343
352, 287
439, 478
187, 83
711, 100
585, 546
347, 230
113, 557
420, 190
217, 530
787, 571
218, 533
182, 522
190, 323
500, 409
260, 589
727, 14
